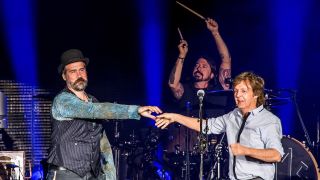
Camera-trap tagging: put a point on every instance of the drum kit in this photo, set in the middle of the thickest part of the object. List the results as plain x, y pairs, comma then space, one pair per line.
139, 159
297, 163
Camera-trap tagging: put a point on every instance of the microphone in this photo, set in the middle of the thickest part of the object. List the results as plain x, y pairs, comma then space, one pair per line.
228, 81
200, 94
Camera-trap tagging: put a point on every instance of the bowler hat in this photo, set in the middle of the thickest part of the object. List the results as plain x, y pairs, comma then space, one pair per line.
71, 56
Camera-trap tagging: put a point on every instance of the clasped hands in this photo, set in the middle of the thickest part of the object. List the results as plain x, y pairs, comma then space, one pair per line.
163, 120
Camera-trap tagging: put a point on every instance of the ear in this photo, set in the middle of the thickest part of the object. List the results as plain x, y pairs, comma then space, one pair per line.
63, 76
255, 97
211, 76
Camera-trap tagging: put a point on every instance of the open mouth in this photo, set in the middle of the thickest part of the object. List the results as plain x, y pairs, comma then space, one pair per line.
197, 74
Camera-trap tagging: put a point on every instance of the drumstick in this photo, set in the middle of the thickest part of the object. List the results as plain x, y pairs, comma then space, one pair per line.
180, 34
192, 11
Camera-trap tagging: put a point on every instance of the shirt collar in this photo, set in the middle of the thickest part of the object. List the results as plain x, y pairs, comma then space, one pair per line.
257, 110
254, 112
66, 89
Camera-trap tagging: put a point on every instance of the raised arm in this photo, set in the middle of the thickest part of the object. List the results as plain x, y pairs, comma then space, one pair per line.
175, 75
225, 67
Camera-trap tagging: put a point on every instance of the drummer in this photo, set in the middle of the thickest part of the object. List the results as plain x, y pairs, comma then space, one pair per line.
254, 133
205, 76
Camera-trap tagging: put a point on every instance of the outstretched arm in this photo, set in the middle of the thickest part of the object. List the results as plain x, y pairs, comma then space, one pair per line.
175, 75
163, 120
68, 107
225, 67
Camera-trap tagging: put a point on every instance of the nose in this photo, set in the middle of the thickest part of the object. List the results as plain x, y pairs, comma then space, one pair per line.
78, 73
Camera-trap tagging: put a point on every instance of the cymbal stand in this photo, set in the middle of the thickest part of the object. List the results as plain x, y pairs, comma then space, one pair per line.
187, 164
318, 140
217, 165
306, 134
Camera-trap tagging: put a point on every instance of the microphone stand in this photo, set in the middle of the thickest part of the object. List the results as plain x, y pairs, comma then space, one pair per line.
117, 149
318, 140
187, 176
201, 137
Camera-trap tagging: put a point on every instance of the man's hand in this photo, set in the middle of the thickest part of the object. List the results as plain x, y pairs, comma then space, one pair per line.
147, 110
183, 48
238, 150
212, 25
163, 120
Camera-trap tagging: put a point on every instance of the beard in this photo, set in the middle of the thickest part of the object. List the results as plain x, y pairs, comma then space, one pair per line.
198, 76
79, 85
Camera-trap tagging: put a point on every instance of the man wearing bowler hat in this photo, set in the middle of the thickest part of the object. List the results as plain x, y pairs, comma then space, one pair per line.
80, 148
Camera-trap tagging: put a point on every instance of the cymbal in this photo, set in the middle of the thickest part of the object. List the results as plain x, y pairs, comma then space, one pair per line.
278, 97
219, 91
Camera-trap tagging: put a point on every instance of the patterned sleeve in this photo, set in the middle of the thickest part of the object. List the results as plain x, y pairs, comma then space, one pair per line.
107, 163
68, 107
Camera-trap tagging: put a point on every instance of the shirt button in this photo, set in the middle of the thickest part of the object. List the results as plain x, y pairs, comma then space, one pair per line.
75, 143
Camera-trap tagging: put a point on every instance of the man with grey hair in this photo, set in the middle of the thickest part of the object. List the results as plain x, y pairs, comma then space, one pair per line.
254, 133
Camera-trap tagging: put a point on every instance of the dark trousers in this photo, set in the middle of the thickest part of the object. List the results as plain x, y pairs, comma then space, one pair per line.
55, 174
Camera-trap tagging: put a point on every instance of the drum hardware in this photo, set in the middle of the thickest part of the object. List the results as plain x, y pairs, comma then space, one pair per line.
283, 96
177, 149
306, 134
138, 156
297, 162
215, 171
275, 98
219, 91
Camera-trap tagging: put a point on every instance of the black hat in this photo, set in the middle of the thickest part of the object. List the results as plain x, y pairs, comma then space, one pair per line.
71, 56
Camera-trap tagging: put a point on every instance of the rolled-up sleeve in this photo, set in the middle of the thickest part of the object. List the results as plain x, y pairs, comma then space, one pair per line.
272, 135
216, 125
68, 107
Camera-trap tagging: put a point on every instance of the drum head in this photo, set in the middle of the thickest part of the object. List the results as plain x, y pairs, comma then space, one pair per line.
297, 162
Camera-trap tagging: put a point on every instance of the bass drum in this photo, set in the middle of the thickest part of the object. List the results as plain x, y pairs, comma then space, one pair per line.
297, 162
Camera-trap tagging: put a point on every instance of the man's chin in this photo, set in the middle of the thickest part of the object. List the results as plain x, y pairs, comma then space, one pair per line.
80, 87
197, 79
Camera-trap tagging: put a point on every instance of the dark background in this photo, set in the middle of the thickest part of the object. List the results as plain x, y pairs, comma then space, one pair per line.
108, 32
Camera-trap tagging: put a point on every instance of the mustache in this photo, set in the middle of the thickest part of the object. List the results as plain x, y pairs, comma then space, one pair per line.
80, 80
197, 72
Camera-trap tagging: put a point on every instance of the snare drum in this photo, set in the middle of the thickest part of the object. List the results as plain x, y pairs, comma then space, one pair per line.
297, 162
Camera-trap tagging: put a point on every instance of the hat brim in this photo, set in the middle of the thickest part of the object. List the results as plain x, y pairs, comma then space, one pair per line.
61, 66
